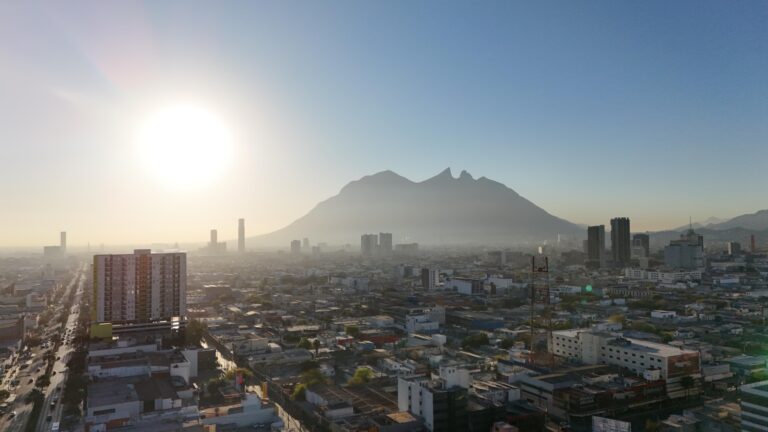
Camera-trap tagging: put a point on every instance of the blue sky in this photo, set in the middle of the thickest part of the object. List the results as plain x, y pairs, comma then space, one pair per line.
652, 110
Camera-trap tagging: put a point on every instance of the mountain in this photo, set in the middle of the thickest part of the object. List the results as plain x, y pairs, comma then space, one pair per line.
755, 221
439, 210
704, 224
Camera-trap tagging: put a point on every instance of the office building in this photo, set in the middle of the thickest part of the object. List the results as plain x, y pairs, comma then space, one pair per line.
385, 243
305, 244
369, 244
429, 278
63, 242
140, 287
241, 235
752, 244
407, 248
687, 252
620, 244
295, 247
651, 360
596, 246
734, 248
754, 406
214, 246
442, 406
57, 251
642, 243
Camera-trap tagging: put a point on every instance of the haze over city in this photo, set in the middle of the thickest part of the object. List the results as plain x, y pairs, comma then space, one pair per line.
383, 216
587, 109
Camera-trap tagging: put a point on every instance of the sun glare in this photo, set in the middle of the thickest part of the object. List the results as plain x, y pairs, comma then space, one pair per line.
185, 146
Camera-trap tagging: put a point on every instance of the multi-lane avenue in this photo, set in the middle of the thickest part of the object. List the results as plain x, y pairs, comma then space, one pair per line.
53, 407
26, 367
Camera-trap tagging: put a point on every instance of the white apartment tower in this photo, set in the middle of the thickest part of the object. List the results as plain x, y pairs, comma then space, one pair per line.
139, 287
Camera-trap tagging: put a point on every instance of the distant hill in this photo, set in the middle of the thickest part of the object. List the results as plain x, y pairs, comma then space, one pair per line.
739, 229
702, 224
757, 221
440, 210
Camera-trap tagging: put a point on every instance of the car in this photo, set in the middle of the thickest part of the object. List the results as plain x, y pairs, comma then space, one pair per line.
12, 414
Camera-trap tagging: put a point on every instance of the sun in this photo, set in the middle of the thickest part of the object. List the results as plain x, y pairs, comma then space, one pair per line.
185, 146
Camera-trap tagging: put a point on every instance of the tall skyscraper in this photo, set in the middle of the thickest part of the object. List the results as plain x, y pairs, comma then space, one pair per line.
385, 243
139, 287
369, 243
620, 244
305, 244
63, 242
214, 238
596, 246
642, 241
295, 247
752, 244
241, 235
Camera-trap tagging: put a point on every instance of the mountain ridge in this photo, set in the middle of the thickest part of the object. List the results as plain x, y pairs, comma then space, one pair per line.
442, 209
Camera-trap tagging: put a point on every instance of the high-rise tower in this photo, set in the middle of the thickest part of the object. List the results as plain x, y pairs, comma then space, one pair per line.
596, 246
621, 248
139, 287
241, 235
63, 242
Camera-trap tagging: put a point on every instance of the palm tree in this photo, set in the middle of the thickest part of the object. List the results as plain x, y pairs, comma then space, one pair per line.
316, 346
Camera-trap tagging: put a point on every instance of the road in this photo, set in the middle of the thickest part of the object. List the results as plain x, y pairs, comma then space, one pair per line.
53, 392
19, 379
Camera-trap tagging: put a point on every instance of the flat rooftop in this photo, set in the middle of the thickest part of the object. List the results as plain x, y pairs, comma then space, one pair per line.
113, 391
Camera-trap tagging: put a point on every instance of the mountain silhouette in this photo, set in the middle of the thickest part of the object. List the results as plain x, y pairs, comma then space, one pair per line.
440, 210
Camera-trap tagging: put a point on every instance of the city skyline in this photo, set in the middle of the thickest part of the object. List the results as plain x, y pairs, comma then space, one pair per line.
569, 105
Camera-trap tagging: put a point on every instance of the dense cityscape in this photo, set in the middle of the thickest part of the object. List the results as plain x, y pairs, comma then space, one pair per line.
383, 216
603, 333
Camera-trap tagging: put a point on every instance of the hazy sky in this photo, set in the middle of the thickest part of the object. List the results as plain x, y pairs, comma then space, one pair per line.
652, 110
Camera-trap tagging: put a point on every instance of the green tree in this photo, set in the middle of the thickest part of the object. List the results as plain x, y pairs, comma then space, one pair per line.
4, 394
616, 319
43, 381
507, 343
312, 377
246, 373
353, 331
194, 332
304, 343
362, 375
299, 392
475, 341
